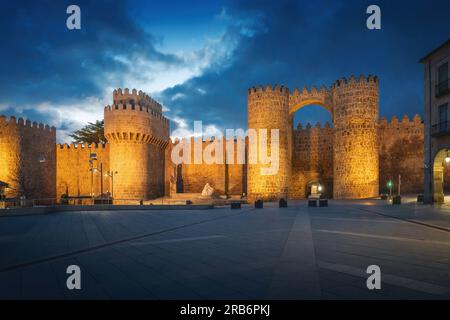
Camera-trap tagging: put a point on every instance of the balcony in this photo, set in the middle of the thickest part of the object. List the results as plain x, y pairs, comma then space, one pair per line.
440, 129
442, 88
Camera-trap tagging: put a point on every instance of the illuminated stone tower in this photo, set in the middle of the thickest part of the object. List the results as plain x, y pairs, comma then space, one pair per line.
269, 109
355, 152
138, 134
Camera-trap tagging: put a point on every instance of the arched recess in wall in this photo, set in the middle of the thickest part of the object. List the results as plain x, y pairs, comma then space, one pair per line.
441, 168
311, 149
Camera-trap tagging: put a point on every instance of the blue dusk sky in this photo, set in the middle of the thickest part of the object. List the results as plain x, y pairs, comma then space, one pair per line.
198, 58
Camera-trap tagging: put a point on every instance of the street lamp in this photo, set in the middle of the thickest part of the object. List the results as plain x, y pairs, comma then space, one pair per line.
92, 157
111, 175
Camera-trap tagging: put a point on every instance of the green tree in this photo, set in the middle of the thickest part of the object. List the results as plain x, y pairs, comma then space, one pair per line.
90, 133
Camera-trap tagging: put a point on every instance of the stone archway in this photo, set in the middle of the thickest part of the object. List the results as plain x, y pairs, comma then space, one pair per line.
353, 104
438, 174
311, 159
298, 100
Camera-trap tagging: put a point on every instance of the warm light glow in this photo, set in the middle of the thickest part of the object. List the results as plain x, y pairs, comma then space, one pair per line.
319, 188
447, 159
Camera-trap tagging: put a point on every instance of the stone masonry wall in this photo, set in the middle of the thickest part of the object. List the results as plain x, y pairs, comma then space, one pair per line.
73, 175
355, 120
224, 178
401, 152
138, 135
312, 159
268, 109
27, 158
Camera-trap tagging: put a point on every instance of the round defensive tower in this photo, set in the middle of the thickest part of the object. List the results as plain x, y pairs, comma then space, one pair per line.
355, 155
268, 109
138, 134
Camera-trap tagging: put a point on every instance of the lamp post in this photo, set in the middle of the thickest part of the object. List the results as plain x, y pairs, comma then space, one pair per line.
111, 175
96, 169
92, 157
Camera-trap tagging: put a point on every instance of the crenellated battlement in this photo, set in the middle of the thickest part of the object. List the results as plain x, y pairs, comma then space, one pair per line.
268, 89
352, 81
20, 122
82, 146
405, 121
317, 126
135, 97
146, 111
313, 92
207, 140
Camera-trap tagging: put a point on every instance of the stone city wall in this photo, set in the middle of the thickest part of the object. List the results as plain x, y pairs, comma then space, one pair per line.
73, 174
27, 158
224, 178
312, 160
401, 152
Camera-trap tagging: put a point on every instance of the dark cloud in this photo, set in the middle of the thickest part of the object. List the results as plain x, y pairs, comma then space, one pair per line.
300, 43
295, 43
44, 61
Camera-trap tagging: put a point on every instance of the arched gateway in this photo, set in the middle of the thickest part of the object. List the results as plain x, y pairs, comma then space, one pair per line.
353, 105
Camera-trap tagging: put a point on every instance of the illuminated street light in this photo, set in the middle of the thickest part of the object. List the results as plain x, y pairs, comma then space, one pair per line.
111, 175
319, 188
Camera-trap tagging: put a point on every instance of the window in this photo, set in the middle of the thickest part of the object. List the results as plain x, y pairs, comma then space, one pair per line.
443, 72
443, 117
442, 81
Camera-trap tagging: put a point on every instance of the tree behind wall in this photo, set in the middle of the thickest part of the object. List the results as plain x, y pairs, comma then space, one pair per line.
90, 133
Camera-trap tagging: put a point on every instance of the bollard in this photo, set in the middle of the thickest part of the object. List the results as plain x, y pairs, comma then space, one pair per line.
397, 200
282, 203
323, 203
259, 204
312, 203
235, 205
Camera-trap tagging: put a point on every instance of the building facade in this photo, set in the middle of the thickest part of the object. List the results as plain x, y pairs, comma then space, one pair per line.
436, 121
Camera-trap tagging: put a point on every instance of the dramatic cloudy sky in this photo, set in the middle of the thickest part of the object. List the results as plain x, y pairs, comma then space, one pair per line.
199, 57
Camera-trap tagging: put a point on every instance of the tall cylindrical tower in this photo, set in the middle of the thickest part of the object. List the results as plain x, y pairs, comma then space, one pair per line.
138, 134
268, 109
355, 118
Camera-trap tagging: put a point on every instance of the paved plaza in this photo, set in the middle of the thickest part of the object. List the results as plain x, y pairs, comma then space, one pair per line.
271, 253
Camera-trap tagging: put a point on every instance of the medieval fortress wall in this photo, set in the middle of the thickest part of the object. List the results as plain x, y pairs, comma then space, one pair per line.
401, 152
312, 159
73, 175
27, 158
352, 158
353, 104
226, 177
